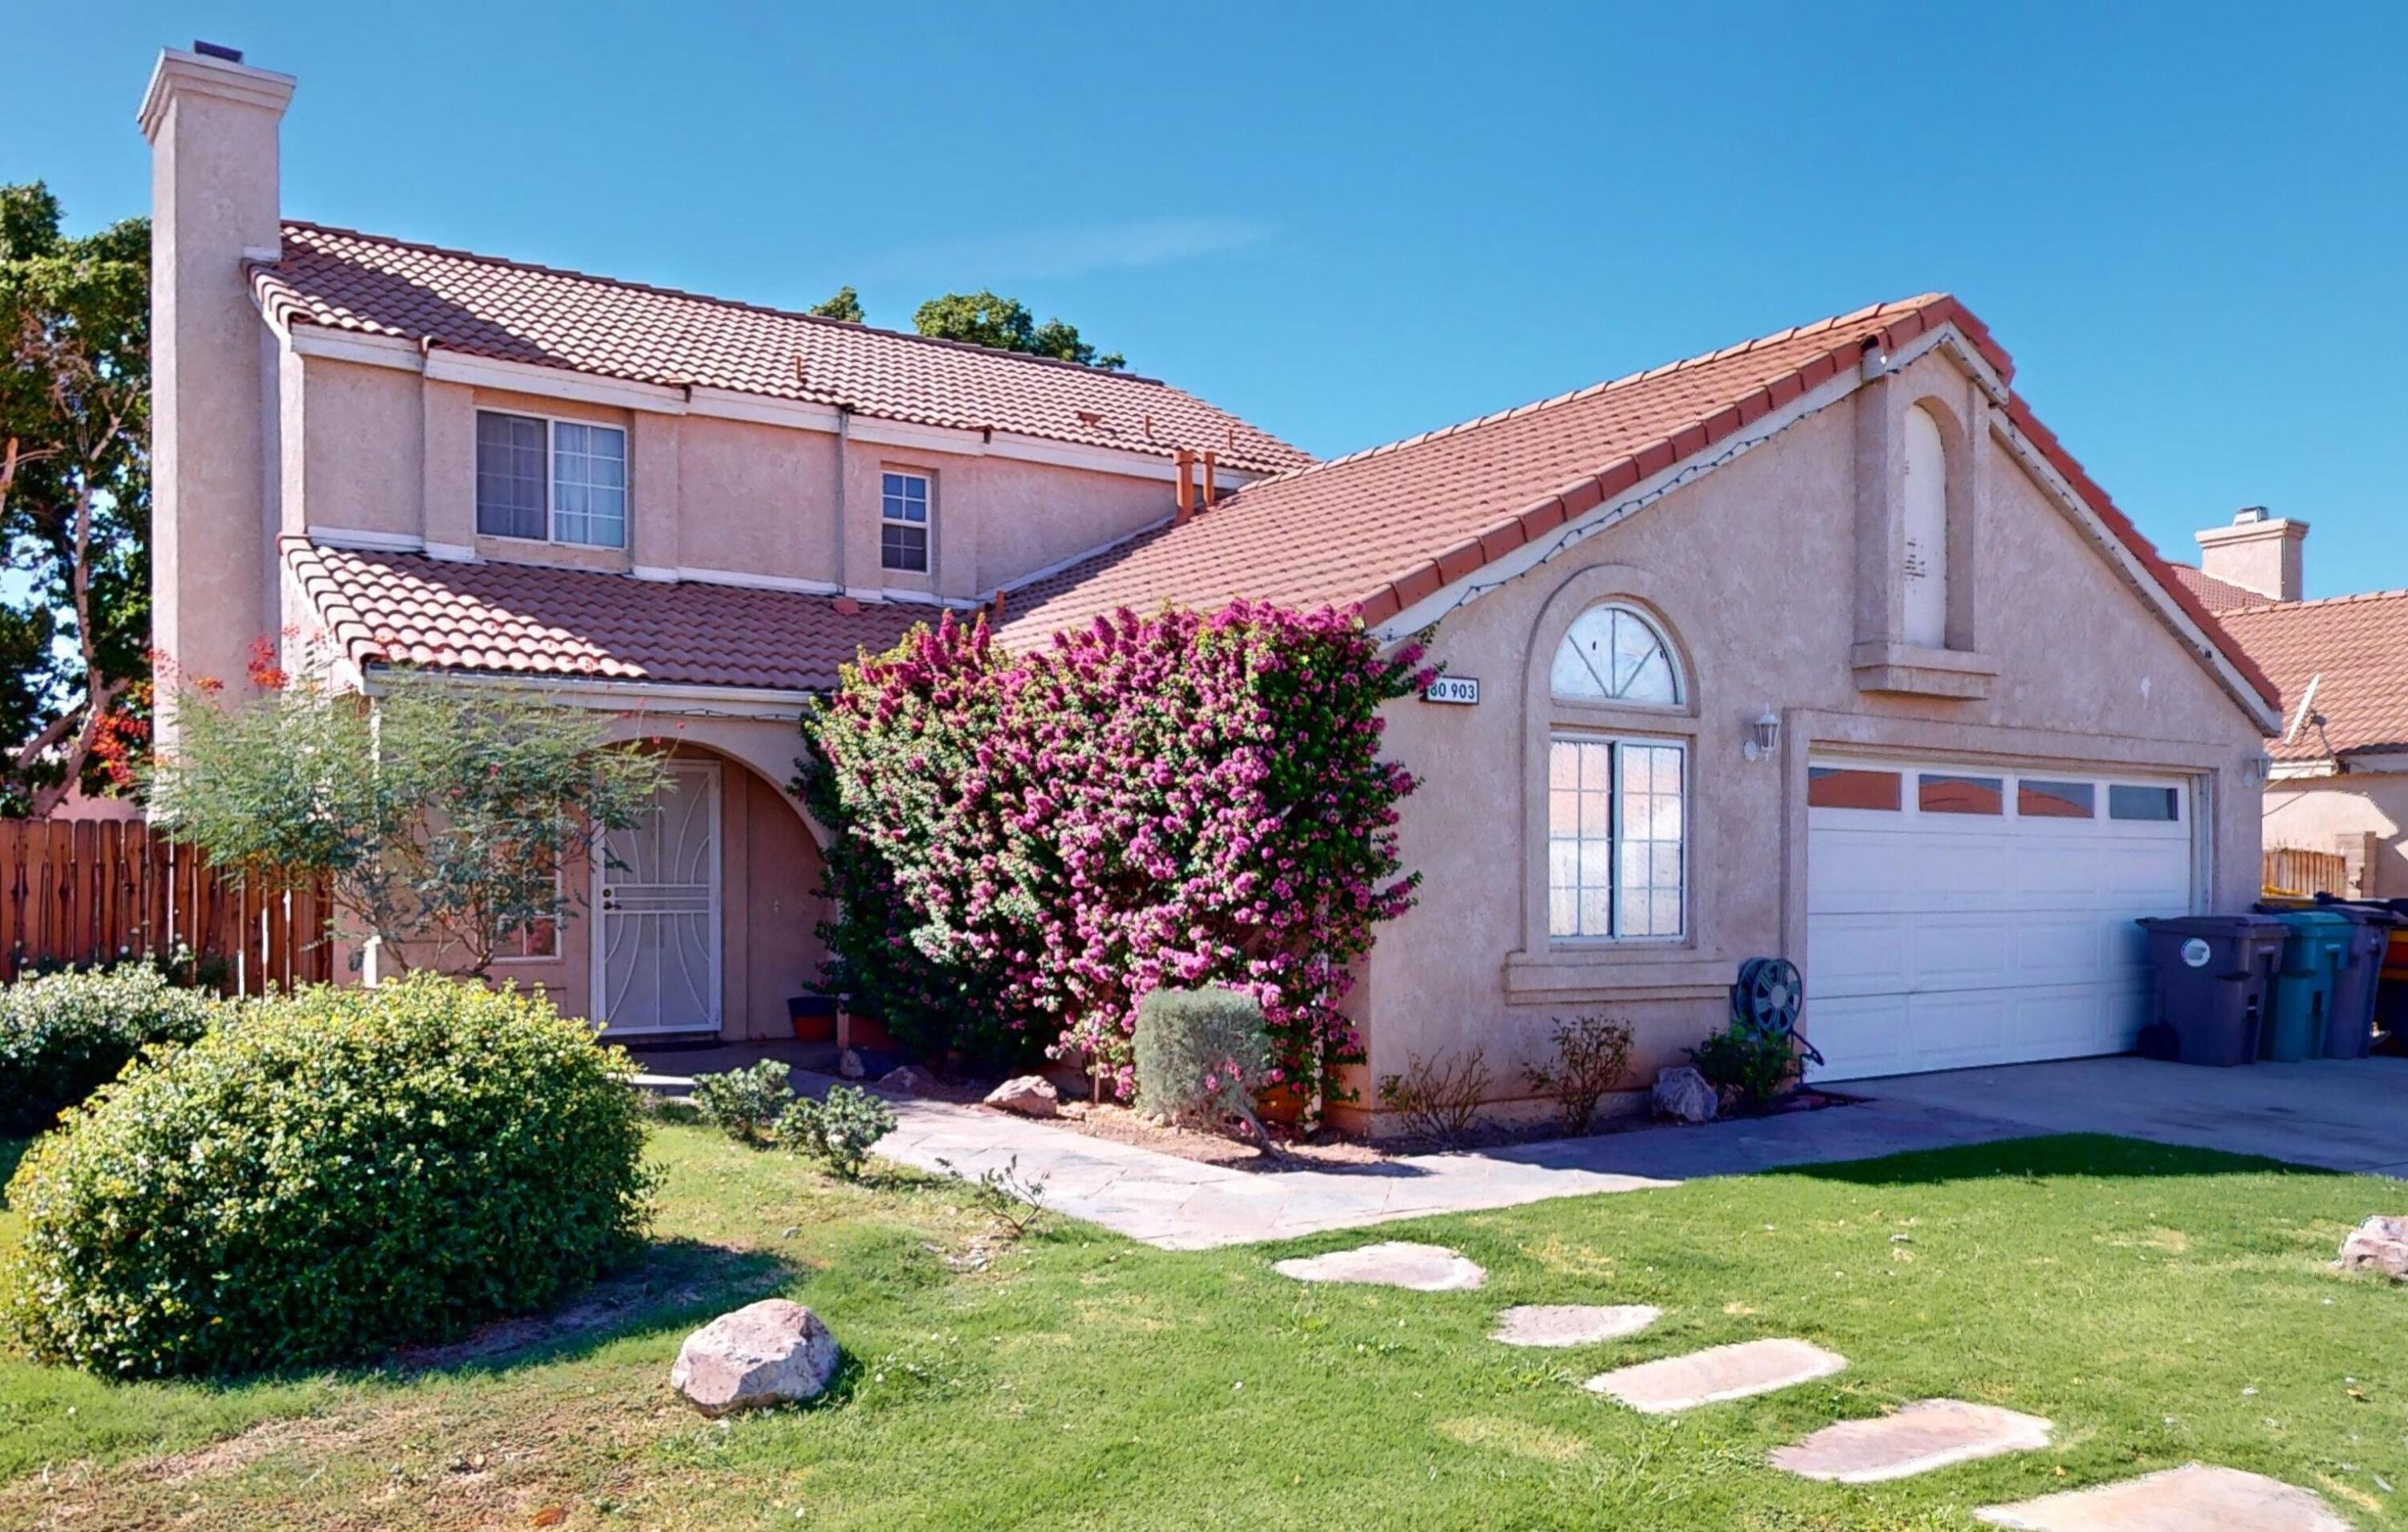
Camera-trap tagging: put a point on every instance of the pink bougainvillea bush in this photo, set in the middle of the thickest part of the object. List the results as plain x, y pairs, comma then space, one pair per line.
1027, 845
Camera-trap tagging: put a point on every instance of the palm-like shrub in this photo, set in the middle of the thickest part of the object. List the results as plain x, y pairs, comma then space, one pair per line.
331, 1176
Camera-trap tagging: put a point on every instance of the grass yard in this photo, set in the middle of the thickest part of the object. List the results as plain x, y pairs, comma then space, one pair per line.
2159, 1305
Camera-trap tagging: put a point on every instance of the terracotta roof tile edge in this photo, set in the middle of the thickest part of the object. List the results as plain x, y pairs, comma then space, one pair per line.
628, 284
2270, 604
1936, 308
344, 621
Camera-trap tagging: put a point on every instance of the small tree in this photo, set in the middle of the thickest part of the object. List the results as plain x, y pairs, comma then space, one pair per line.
844, 303
990, 319
440, 814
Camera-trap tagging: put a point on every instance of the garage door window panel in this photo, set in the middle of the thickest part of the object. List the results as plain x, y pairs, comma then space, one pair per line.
1946, 793
2039, 799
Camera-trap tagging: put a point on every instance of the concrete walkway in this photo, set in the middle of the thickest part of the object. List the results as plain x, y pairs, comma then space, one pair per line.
2342, 1116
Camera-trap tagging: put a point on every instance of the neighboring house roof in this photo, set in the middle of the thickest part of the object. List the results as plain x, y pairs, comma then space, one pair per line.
529, 620
2355, 648
482, 306
2217, 596
1381, 530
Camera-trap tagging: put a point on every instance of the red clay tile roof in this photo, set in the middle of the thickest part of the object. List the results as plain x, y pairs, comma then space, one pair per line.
520, 618
2358, 644
1381, 530
2217, 596
482, 306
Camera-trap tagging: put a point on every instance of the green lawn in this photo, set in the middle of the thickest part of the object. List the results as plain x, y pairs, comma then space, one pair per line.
2161, 1306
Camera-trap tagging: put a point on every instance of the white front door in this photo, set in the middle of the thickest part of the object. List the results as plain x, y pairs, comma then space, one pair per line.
657, 948
1964, 915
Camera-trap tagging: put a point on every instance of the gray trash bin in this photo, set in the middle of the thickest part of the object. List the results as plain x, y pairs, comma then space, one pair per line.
2212, 975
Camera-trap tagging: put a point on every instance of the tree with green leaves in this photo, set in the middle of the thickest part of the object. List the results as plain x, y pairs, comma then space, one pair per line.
844, 303
439, 813
989, 319
75, 499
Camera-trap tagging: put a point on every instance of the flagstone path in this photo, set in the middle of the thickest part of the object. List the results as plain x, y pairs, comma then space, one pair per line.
1916, 1439
1571, 1324
1721, 1372
1423, 1269
2191, 1500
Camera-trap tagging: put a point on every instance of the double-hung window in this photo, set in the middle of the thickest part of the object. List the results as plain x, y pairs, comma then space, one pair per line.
551, 480
1616, 837
903, 523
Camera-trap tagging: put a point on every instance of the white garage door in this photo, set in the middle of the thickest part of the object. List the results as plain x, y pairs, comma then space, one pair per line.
1965, 915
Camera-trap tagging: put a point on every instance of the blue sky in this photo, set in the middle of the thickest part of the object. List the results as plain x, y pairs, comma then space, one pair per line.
1349, 224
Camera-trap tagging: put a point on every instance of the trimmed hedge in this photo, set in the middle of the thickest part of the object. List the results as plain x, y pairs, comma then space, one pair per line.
65, 1035
1201, 1052
324, 1178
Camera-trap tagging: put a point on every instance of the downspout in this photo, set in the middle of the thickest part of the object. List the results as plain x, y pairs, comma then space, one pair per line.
844, 454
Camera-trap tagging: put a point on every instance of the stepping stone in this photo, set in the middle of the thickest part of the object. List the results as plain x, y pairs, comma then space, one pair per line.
2177, 1500
1723, 1372
1571, 1324
1918, 1438
1425, 1268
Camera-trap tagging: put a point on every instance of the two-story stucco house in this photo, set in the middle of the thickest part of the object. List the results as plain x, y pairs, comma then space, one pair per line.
1818, 646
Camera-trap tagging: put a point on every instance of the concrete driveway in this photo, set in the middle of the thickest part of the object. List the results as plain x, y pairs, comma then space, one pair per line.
2338, 1114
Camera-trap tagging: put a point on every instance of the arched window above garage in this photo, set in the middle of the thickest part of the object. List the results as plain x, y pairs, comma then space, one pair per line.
1616, 653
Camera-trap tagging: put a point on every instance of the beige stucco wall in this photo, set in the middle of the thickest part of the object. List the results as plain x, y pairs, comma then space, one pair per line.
1756, 572
386, 451
2358, 813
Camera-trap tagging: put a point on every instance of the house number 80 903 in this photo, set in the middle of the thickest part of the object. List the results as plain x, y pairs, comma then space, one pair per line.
1458, 689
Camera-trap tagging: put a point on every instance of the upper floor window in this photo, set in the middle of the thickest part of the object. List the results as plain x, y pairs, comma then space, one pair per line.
1923, 575
1614, 654
550, 479
903, 523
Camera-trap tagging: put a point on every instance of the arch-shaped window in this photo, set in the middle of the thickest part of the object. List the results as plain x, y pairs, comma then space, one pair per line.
1615, 653
1923, 575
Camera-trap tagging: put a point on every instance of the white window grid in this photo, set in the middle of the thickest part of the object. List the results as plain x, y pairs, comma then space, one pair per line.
903, 505
584, 491
1617, 839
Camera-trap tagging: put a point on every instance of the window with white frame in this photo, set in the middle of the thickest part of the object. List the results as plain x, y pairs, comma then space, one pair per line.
551, 480
1617, 838
903, 523
1613, 653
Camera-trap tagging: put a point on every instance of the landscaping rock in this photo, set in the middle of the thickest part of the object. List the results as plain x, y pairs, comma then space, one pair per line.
1030, 1095
1682, 1094
1918, 1438
2379, 1244
849, 1065
1571, 1324
2186, 1499
910, 1079
1709, 1377
769, 1353
1425, 1268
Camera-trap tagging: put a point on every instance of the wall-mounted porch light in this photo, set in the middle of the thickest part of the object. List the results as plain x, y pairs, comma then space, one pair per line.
2256, 769
1763, 736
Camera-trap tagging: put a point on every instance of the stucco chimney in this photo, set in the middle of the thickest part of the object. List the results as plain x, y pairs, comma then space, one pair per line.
212, 121
2258, 552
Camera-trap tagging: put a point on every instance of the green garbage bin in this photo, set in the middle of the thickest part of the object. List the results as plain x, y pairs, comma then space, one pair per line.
2349, 1025
2315, 949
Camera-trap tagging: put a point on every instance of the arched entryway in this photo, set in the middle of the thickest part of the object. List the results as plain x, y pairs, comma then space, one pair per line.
702, 919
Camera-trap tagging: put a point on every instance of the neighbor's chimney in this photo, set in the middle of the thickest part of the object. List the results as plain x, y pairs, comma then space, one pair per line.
2258, 552
212, 121
1186, 461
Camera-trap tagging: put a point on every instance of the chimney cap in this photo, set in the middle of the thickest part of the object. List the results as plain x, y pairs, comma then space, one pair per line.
217, 51
2248, 515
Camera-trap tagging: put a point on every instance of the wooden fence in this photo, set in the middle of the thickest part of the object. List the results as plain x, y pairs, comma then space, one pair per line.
2296, 869
81, 892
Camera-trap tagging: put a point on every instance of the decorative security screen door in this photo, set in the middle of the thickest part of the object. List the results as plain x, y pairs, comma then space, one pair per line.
656, 967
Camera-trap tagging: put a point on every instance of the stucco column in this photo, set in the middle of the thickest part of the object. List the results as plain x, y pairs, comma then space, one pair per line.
212, 128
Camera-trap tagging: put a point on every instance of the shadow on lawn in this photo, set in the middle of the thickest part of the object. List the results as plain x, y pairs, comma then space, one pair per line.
2099, 1155
677, 1281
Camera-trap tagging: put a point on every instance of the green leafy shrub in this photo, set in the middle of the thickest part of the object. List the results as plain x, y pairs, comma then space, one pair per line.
65, 1034
744, 1104
1202, 1052
839, 1131
1754, 1065
1591, 1054
331, 1176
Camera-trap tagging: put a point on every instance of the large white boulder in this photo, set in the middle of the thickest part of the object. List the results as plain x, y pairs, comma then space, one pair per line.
2379, 1244
1030, 1095
773, 1352
1682, 1093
